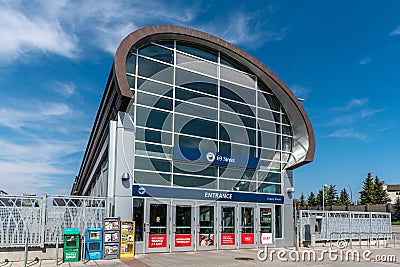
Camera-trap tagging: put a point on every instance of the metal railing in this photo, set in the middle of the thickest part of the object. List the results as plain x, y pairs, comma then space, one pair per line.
368, 237
327, 223
41, 219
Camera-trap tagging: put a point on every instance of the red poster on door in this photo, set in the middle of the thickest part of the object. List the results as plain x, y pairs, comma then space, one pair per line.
227, 239
247, 239
183, 240
157, 241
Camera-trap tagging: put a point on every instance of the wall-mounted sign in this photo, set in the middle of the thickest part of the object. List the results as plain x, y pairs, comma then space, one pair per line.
214, 157
187, 193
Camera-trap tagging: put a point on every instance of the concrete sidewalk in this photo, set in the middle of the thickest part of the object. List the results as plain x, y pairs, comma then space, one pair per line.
243, 257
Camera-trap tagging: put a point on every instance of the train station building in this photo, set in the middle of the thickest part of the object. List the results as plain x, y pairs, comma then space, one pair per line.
196, 140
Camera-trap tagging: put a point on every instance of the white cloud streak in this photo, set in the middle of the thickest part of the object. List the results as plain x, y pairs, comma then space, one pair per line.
355, 102
35, 167
300, 91
65, 89
55, 27
22, 33
395, 31
349, 133
32, 116
365, 61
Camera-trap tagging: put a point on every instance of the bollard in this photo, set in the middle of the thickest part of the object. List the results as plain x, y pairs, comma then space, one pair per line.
26, 251
57, 251
83, 249
394, 241
313, 241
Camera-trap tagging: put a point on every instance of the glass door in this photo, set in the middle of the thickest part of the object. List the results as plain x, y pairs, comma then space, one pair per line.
227, 226
247, 226
157, 226
182, 226
206, 224
265, 225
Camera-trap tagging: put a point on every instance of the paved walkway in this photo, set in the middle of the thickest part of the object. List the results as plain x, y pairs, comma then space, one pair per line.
244, 257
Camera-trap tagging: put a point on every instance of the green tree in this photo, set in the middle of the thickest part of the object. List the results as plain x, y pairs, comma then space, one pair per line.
302, 202
396, 209
344, 198
319, 198
367, 193
380, 195
311, 200
331, 197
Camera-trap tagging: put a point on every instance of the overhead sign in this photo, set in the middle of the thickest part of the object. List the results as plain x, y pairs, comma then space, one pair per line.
187, 193
216, 158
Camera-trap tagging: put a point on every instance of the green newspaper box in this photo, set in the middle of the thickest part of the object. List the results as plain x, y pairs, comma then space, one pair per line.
71, 244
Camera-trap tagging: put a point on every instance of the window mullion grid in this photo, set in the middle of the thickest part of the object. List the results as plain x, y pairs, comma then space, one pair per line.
281, 147
219, 107
135, 111
257, 131
173, 115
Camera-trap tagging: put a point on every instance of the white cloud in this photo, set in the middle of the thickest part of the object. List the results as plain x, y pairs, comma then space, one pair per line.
66, 89
300, 91
355, 102
246, 29
349, 133
55, 109
22, 33
32, 115
365, 61
62, 27
395, 31
35, 167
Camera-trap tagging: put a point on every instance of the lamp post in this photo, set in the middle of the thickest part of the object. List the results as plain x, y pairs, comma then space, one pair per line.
351, 194
323, 196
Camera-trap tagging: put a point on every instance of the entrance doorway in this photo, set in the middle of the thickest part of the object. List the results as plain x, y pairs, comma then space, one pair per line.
247, 218
228, 224
265, 225
157, 226
206, 226
183, 222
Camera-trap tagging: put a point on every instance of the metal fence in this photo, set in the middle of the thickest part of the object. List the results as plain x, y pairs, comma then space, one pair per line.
42, 219
334, 225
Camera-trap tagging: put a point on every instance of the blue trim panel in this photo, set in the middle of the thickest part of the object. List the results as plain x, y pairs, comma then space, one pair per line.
187, 193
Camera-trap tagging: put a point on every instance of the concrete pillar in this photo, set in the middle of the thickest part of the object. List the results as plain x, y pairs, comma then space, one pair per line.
124, 158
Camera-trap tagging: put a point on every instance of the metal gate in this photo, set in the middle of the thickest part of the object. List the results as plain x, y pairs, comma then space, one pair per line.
42, 219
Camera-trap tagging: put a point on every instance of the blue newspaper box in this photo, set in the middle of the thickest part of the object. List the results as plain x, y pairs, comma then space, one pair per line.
94, 243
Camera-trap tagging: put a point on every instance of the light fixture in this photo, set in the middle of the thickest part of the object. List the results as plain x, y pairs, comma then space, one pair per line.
125, 176
290, 190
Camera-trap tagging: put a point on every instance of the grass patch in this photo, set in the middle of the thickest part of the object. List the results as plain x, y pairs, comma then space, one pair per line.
395, 222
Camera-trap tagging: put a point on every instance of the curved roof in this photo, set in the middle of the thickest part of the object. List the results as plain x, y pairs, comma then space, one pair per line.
304, 141
118, 95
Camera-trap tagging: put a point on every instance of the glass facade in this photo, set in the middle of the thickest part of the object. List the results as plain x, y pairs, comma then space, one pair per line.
190, 101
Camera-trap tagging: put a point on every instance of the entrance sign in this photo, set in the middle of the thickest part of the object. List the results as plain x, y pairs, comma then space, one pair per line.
215, 157
187, 193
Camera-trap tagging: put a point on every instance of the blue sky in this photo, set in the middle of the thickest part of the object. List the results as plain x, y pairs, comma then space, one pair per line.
342, 57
